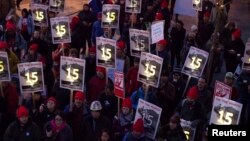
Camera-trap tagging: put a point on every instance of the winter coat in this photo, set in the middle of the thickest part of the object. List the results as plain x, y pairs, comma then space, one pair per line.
30, 25
129, 137
42, 118
177, 37
205, 30
15, 132
18, 41
97, 31
131, 80
65, 134
96, 87
13, 61
176, 134
109, 105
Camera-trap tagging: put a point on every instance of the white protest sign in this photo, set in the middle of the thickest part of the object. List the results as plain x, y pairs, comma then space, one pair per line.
133, 6
184, 7
157, 31
189, 131
222, 90
118, 68
106, 52
150, 114
39, 14
139, 42
72, 72
246, 58
225, 112
195, 62
110, 16
150, 69
197, 5
56, 5
60, 30
4, 67
31, 77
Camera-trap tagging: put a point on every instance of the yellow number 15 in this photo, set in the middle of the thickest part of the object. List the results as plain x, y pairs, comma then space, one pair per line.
110, 16
1, 66
39, 15
60, 30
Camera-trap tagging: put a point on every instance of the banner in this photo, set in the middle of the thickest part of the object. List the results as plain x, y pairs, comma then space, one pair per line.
72, 72
110, 16
188, 130
119, 85
60, 30
184, 7
246, 58
157, 31
39, 14
225, 112
31, 77
195, 62
4, 67
106, 52
222, 90
197, 5
139, 42
150, 114
150, 69
56, 5
133, 6
118, 68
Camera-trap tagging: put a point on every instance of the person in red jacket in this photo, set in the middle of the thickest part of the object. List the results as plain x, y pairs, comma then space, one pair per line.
131, 79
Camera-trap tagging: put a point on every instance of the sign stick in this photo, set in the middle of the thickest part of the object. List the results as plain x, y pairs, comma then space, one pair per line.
71, 100
189, 78
146, 93
1, 89
107, 78
33, 100
119, 106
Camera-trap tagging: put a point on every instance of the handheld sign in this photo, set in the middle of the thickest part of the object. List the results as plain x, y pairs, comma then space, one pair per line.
150, 114
106, 52
157, 31
119, 85
110, 16
39, 14
222, 90
72, 72
188, 130
246, 59
60, 30
139, 42
133, 6
118, 68
4, 67
197, 5
150, 69
31, 77
225, 112
56, 5
195, 62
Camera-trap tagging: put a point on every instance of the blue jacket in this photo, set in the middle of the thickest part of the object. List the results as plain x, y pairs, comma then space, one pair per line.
97, 31
20, 42
30, 25
129, 137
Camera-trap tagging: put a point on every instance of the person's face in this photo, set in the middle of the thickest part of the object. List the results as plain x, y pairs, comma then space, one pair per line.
104, 136
228, 81
206, 19
51, 105
100, 74
176, 77
36, 34
125, 110
24, 14
108, 91
201, 84
85, 8
144, 87
92, 55
119, 52
159, 47
58, 120
78, 103
172, 125
164, 79
23, 120
122, 1
95, 114
31, 52
74, 55
136, 64
136, 134
37, 97
178, 26
190, 100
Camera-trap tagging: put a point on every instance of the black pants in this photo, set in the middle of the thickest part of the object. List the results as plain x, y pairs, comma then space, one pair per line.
18, 2
175, 53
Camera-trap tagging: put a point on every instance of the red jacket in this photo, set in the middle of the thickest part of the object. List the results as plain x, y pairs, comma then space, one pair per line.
11, 95
131, 80
96, 88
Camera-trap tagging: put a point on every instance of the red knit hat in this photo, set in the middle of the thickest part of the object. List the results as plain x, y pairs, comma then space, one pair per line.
121, 45
3, 45
164, 4
101, 69
158, 16
22, 112
127, 103
163, 43
207, 14
10, 26
193, 93
138, 126
237, 34
34, 47
52, 99
92, 50
79, 95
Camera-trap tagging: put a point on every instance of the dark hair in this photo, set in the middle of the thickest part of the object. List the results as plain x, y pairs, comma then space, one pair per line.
165, 73
26, 12
180, 22
61, 114
203, 77
108, 131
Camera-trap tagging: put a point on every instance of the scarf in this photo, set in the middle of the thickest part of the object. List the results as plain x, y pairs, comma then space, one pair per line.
126, 119
55, 128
